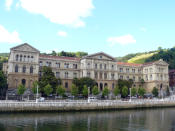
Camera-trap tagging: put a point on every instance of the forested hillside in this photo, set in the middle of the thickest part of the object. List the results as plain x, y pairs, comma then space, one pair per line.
167, 55
3, 58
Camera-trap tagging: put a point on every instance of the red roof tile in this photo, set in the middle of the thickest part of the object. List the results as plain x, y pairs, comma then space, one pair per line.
60, 57
128, 64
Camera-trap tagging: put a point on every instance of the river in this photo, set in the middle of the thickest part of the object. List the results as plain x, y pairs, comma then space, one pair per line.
127, 120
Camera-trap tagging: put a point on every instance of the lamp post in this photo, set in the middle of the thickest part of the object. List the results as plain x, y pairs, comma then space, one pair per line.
37, 94
88, 95
130, 94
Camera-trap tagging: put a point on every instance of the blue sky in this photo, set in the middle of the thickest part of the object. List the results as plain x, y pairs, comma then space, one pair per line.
117, 27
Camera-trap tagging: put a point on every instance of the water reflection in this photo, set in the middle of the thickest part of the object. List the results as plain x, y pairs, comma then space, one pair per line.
133, 120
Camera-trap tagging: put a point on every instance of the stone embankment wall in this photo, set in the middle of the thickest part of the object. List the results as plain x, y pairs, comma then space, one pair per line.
11, 106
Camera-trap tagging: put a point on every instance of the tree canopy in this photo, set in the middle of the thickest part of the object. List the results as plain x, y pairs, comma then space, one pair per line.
48, 77
60, 90
21, 89
95, 90
84, 81
48, 90
3, 84
155, 92
74, 90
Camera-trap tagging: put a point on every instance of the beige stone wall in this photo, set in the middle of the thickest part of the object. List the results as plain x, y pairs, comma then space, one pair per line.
14, 80
100, 66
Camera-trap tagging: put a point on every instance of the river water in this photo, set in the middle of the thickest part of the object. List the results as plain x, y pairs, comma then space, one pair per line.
128, 120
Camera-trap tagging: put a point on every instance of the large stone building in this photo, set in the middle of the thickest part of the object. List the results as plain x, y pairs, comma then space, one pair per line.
25, 63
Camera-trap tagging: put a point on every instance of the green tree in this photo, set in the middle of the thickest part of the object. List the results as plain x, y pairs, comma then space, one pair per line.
133, 91
48, 77
85, 91
60, 90
74, 90
141, 91
34, 87
54, 53
105, 91
21, 89
116, 91
155, 92
83, 81
48, 89
125, 91
3, 84
95, 90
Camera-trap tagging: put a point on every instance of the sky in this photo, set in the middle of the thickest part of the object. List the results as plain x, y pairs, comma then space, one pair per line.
116, 27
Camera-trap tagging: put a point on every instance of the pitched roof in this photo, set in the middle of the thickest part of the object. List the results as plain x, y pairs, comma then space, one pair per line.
24, 45
60, 57
100, 53
128, 64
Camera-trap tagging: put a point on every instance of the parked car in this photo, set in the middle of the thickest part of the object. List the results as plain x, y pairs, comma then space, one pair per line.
92, 98
41, 99
71, 97
148, 96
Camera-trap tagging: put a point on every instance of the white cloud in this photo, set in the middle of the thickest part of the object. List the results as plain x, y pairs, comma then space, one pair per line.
8, 37
123, 40
64, 12
62, 33
8, 4
143, 29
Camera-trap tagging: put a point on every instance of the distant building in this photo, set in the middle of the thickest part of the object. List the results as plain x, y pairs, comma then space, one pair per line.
25, 64
172, 78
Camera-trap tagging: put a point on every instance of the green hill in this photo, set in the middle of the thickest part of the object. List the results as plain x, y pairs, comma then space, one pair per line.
138, 58
167, 55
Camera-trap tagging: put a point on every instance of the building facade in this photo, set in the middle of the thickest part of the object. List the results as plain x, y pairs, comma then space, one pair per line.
25, 66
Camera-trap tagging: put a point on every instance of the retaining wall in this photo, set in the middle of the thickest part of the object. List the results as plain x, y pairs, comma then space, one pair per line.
11, 106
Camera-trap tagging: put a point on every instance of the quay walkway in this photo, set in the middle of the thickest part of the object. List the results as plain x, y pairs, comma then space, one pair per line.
82, 105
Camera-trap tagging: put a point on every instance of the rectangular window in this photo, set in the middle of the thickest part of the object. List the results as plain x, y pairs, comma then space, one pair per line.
105, 66
75, 66
121, 69
66, 65
57, 65
75, 75
41, 63
95, 66
112, 76
57, 74
96, 75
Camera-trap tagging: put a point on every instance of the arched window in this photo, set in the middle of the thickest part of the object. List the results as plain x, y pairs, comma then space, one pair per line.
20, 57
100, 66
24, 69
31, 69
32, 58
105, 85
105, 75
28, 58
24, 58
66, 85
66, 74
101, 86
113, 85
16, 68
23, 82
17, 56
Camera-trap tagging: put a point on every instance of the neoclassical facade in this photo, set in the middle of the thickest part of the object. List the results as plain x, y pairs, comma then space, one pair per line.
25, 66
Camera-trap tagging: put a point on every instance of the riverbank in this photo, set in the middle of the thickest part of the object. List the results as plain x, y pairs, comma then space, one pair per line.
83, 105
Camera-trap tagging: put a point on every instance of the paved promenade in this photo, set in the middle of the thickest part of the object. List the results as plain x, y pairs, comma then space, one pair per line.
82, 105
